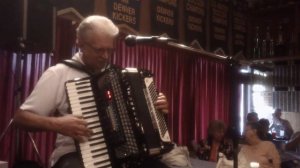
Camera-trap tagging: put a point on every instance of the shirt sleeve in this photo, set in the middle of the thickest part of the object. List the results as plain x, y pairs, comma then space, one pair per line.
43, 98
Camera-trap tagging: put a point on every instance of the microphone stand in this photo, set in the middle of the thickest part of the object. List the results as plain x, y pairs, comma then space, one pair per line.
234, 70
17, 102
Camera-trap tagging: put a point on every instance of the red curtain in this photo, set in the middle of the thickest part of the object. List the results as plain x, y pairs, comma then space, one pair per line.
19, 74
197, 89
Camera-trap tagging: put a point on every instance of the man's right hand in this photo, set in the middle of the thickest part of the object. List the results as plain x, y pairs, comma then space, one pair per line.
68, 125
73, 126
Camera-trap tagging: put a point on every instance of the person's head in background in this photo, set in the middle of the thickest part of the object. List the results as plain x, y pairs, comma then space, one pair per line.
252, 117
95, 38
277, 113
216, 131
253, 133
265, 124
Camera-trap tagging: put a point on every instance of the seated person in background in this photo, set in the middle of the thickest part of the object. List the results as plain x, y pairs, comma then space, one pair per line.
282, 127
252, 117
265, 129
294, 143
215, 143
257, 150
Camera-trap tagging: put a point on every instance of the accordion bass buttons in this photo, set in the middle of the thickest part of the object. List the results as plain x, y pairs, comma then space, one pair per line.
141, 128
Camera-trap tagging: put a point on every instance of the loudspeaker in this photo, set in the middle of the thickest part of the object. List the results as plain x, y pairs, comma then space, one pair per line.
26, 25
10, 27
40, 23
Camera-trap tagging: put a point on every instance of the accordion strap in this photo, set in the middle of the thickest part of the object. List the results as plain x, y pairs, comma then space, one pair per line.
76, 65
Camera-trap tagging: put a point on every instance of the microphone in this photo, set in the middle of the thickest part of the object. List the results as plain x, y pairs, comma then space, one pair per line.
132, 40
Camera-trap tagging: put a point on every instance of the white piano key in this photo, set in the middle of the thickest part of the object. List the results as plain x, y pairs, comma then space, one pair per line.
74, 96
81, 106
90, 115
87, 146
96, 136
104, 163
78, 84
76, 91
90, 161
95, 141
94, 125
76, 100
88, 110
91, 166
94, 151
93, 148
90, 120
95, 130
90, 154
97, 159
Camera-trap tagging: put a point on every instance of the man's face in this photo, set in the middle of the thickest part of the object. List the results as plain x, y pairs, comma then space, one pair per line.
249, 133
96, 50
277, 114
253, 118
218, 135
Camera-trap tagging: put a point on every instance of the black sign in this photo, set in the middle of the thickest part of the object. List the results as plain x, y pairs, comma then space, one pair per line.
124, 12
195, 14
239, 30
164, 17
219, 25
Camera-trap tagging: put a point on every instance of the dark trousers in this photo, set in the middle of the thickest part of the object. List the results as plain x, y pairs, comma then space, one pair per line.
70, 160
73, 160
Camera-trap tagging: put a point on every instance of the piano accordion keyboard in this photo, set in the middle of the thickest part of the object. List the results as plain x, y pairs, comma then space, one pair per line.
94, 152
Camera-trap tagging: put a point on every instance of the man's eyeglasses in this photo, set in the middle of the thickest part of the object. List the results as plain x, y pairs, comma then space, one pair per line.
101, 51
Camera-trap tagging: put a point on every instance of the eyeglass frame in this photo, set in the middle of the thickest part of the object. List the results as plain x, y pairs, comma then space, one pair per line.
101, 51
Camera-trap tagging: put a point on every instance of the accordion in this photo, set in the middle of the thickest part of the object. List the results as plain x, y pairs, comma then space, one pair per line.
118, 106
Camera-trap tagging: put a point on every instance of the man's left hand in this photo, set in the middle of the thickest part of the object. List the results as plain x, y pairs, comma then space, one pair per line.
162, 103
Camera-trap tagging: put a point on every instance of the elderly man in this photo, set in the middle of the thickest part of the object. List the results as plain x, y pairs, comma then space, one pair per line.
95, 37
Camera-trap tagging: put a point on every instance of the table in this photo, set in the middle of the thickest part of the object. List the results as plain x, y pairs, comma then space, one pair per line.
197, 163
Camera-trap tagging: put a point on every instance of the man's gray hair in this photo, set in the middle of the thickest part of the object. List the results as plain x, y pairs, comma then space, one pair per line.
97, 23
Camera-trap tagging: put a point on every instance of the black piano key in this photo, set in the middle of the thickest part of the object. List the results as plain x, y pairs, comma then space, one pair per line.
88, 112
86, 108
98, 155
96, 143
84, 91
85, 97
94, 127
95, 138
98, 150
100, 162
82, 82
94, 122
91, 116
87, 101
104, 166
82, 87
94, 133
